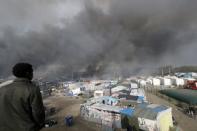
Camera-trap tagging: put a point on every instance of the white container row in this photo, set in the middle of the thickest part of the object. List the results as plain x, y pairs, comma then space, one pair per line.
158, 81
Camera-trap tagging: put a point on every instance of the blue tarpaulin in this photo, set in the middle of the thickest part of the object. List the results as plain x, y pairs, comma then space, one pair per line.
141, 98
127, 111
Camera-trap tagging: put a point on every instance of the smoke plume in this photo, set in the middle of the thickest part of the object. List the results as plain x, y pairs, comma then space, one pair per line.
123, 37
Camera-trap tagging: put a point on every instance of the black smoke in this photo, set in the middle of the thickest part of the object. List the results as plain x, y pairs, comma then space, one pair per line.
134, 36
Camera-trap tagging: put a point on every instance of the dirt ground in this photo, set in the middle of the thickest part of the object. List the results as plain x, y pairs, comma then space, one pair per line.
67, 106
184, 122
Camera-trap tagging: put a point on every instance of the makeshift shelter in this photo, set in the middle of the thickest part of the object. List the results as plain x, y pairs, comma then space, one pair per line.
102, 114
150, 117
139, 92
154, 117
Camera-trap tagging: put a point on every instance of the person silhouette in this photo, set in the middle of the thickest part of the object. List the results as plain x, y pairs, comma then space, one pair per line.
21, 105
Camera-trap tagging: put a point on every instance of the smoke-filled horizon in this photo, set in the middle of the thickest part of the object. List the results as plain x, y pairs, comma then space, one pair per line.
129, 37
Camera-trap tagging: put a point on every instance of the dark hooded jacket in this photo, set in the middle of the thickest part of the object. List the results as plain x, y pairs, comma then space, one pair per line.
21, 107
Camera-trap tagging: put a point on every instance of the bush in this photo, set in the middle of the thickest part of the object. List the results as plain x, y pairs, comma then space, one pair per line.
172, 129
179, 104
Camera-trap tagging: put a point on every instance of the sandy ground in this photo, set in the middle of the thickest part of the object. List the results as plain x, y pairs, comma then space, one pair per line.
67, 106
185, 122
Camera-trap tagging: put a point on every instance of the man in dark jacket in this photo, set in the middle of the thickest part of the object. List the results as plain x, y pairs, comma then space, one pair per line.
21, 106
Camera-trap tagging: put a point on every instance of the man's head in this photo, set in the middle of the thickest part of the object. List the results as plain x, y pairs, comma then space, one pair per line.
23, 70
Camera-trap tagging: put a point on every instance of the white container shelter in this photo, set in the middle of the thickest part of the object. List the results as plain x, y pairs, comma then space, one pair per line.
165, 81
156, 82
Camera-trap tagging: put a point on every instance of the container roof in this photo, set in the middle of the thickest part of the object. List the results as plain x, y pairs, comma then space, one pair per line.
107, 107
149, 111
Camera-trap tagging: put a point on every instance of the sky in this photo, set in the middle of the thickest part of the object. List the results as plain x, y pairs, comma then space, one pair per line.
59, 37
